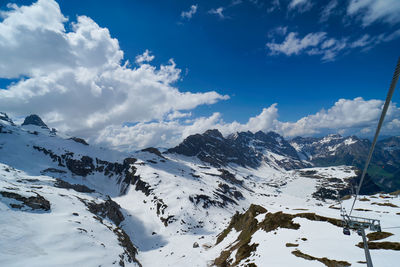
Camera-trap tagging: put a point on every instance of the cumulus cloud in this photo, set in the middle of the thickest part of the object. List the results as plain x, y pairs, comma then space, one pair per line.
346, 116
46, 24
145, 57
189, 14
170, 133
160, 134
75, 80
370, 11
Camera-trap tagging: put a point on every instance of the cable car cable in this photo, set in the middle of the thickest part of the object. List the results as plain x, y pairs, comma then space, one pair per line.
378, 129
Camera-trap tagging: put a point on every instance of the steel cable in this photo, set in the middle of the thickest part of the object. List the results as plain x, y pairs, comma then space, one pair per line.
378, 129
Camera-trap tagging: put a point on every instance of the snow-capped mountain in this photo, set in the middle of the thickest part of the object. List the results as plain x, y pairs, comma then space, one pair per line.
170, 207
334, 150
245, 149
328, 147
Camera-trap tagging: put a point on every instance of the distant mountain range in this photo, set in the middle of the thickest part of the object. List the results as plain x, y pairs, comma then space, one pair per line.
251, 150
244, 149
334, 150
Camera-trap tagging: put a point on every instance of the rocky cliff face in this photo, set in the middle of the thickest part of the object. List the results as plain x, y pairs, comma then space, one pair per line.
6, 119
34, 120
245, 149
254, 149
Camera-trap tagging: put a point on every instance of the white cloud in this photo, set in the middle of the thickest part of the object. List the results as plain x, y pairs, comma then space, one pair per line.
328, 10
292, 45
236, 2
159, 134
329, 49
300, 5
318, 43
45, 21
178, 115
363, 41
74, 79
170, 133
370, 11
145, 57
367, 42
346, 116
278, 31
218, 12
275, 5
392, 36
189, 14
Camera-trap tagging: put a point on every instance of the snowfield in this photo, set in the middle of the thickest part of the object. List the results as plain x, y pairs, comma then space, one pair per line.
174, 208
65, 235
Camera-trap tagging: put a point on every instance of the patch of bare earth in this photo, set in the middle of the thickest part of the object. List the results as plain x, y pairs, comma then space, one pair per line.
381, 245
378, 235
324, 260
387, 204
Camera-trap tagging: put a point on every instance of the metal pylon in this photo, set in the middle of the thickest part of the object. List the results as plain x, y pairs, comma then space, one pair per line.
366, 249
359, 224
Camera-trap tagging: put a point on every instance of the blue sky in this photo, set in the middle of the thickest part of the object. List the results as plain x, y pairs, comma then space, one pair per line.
303, 55
230, 56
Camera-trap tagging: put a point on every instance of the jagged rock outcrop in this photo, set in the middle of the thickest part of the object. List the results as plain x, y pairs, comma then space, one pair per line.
34, 120
37, 202
5, 118
108, 209
79, 140
244, 149
154, 151
77, 187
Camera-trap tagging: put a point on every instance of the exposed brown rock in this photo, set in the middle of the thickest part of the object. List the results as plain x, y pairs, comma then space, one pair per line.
378, 235
324, 260
34, 202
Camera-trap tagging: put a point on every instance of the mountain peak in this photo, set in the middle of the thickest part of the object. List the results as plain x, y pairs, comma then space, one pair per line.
213, 133
260, 133
34, 120
334, 135
4, 117
241, 148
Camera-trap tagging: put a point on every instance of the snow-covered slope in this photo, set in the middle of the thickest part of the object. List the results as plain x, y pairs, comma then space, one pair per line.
174, 204
44, 224
289, 236
38, 150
